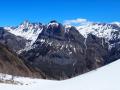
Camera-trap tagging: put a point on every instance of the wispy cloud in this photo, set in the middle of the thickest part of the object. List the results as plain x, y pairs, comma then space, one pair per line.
78, 21
116, 22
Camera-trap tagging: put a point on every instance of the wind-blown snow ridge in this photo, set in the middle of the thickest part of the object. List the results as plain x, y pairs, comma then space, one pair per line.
104, 78
53, 24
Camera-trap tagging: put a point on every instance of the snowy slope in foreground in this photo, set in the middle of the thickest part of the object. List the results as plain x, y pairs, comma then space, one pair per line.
105, 78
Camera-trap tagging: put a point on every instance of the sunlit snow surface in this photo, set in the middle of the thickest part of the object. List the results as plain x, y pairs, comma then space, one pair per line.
105, 78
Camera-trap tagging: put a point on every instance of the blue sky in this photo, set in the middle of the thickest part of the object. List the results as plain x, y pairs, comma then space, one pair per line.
13, 12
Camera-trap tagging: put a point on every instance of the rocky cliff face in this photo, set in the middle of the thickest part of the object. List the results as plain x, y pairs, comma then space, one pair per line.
11, 64
110, 33
14, 42
61, 52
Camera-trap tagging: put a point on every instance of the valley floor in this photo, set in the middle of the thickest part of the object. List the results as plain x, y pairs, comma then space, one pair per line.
105, 78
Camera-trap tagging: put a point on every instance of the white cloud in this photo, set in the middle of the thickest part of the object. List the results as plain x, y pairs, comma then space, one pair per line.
78, 21
118, 23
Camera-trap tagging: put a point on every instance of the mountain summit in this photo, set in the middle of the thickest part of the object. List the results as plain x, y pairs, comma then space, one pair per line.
63, 51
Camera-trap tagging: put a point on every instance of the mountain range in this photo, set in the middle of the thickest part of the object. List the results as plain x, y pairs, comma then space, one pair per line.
57, 51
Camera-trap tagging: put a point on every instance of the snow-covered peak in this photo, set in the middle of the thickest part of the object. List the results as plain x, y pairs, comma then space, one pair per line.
68, 26
25, 24
28, 30
53, 23
98, 29
110, 32
31, 31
